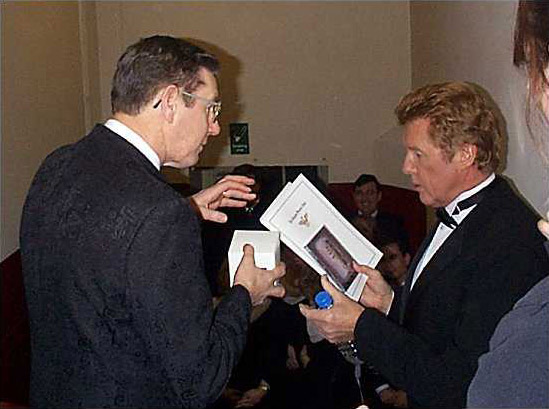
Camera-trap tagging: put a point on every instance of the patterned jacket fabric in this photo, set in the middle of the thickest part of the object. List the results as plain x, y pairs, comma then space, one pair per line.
120, 310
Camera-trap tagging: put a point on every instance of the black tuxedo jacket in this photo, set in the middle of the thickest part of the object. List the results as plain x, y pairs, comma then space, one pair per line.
490, 261
120, 310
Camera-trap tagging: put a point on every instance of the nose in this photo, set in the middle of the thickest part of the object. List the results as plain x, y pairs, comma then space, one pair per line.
407, 166
214, 128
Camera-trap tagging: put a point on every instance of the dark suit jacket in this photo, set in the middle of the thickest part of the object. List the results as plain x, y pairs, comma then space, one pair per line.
491, 260
120, 310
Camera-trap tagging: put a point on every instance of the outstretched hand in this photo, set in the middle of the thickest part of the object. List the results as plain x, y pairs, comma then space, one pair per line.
231, 191
336, 324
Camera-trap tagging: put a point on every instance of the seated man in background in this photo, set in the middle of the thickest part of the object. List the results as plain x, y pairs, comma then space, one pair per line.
369, 220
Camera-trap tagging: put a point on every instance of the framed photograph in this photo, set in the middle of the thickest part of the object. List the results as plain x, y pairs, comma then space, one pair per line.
328, 251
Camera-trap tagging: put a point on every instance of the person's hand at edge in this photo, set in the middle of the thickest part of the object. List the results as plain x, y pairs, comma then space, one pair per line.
543, 226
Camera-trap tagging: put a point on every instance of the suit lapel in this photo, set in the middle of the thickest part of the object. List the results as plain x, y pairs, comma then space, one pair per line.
439, 263
450, 250
411, 271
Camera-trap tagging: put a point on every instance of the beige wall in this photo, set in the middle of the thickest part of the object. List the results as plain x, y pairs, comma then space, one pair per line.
472, 41
41, 97
316, 81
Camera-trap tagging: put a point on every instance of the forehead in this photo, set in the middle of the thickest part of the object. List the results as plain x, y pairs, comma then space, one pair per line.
367, 187
416, 134
207, 86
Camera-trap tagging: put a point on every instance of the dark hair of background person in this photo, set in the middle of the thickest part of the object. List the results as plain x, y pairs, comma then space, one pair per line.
531, 52
366, 178
383, 240
458, 113
153, 63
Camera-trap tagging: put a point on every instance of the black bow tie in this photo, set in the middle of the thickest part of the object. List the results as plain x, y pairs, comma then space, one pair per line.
445, 218
448, 220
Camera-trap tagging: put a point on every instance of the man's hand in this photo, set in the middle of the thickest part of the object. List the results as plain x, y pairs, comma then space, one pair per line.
336, 324
543, 226
393, 397
259, 283
291, 359
251, 398
231, 191
376, 293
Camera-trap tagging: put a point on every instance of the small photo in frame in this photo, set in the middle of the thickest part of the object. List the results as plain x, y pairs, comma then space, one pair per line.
328, 251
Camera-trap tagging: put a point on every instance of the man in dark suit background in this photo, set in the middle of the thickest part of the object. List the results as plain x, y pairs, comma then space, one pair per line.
369, 219
468, 272
120, 310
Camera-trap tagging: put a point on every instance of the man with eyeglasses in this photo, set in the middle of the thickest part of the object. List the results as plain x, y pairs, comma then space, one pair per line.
120, 309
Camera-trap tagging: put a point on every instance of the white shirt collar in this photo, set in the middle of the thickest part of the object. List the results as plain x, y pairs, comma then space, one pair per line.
135, 139
468, 193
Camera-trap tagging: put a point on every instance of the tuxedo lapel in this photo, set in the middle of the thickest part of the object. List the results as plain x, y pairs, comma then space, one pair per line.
439, 263
411, 270
470, 229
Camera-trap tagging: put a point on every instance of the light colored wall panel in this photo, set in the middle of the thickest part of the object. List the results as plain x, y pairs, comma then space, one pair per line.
316, 81
41, 97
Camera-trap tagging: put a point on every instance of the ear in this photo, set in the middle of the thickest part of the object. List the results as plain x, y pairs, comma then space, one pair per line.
169, 102
467, 154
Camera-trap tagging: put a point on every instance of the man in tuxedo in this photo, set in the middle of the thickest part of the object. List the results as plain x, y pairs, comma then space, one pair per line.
468, 272
120, 310
369, 219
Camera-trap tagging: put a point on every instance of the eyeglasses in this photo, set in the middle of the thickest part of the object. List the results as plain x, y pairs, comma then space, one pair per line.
213, 108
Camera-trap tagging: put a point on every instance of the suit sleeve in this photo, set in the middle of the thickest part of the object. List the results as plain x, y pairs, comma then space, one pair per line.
440, 378
192, 347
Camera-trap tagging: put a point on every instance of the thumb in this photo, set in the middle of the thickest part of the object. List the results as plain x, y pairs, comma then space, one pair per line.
249, 252
330, 288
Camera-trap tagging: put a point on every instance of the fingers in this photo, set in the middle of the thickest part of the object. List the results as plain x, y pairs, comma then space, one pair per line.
227, 202
277, 291
280, 270
237, 178
307, 311
213, 215
368, 271
543, 226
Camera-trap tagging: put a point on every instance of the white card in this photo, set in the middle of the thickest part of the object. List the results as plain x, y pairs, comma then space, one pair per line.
313, 228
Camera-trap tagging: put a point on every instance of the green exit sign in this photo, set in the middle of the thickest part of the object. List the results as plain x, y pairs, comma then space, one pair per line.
240, 139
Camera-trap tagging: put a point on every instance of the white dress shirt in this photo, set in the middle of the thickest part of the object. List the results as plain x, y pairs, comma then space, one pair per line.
443, 232
132, 137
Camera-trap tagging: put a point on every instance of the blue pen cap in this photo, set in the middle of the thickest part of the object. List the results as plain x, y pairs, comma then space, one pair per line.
323, 300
